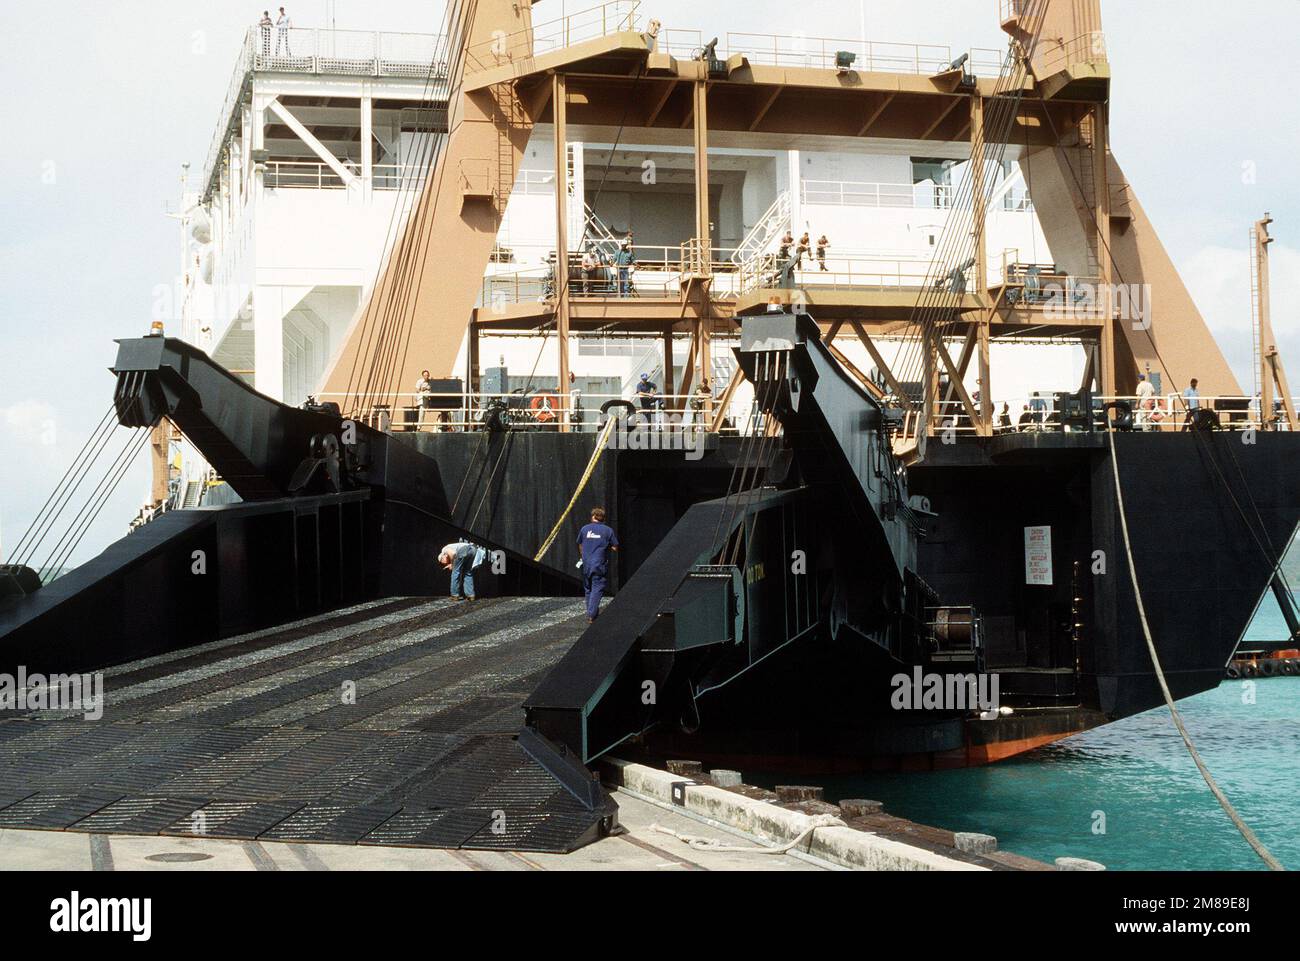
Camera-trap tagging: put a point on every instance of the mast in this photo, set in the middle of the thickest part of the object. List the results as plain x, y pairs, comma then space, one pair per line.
1271, 373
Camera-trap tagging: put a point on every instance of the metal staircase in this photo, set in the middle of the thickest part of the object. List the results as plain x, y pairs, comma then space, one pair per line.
766, 234
192, 496
724, 369
509, 115
598, 235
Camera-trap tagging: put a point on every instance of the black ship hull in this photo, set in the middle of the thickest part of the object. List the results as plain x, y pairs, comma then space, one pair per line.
714, 647
819, 703
1069, 655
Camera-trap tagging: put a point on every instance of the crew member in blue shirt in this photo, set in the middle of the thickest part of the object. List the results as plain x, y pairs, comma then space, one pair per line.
1192, 400
625, 261
596, 541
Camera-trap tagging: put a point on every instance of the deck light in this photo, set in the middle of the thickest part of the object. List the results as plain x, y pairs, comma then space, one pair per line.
844, 60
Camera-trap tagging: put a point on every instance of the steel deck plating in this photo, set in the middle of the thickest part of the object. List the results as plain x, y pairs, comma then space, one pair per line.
260, 738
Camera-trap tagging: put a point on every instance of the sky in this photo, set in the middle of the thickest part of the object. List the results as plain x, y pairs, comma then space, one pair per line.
104, 102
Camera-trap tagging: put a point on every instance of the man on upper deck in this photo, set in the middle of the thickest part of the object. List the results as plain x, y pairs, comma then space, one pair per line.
1192, 401
1146, 398
625, 262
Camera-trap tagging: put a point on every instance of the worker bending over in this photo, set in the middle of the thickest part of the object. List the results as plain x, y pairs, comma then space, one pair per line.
462, 559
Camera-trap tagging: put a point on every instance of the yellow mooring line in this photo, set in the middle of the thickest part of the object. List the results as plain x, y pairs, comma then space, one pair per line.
601, 443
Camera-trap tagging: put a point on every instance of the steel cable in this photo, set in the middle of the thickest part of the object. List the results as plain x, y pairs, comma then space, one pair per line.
1251, 838
49, 506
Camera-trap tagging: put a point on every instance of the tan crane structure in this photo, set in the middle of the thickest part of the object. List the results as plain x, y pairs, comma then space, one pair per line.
1273, 386
604, 71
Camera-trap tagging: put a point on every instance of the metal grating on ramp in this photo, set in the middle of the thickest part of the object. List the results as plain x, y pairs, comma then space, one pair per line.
388, 724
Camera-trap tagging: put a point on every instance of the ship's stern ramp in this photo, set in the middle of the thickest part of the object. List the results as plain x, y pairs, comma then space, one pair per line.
389, 723
738, 580
332, 513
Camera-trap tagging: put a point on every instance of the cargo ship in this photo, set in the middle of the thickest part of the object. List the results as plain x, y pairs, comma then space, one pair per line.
868, 350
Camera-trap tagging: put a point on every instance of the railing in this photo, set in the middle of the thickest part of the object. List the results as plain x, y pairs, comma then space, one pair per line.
786, 50
1017, 200
1031, 284
658, 273
301, 175
346, 52
1167, 413
361, 53
603, 20
696, 258
1012, 9
1085, 48
841, 272
781, 50
476, 177
240, 79
540, 410
922, 196
535, 183
847, 193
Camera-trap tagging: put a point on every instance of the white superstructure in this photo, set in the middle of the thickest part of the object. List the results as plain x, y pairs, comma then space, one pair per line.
319, 150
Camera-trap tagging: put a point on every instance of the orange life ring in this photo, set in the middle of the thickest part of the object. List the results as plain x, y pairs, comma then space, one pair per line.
542, 408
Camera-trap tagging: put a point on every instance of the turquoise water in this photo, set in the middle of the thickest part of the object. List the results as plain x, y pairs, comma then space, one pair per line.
1159, 815
1268, 624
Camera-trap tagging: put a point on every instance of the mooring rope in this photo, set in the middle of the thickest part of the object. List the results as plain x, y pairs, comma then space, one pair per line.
711, 844
601, 443
1273, 863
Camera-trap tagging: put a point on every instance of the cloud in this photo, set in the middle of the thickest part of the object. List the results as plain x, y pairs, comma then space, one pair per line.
29, 422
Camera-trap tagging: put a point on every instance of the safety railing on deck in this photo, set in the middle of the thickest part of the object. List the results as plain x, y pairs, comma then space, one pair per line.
535, 183
301, 175
599, 21
1044, 285
837, 272
696, 259
1156, 414
342, 52
541, 410
921, 196
363, 53
1011, 9
658, 273
661, 271
791, 50
781, 50
1056, 55
848, 193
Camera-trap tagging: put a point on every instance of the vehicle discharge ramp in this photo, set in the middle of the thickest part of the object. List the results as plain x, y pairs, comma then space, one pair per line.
393, 723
